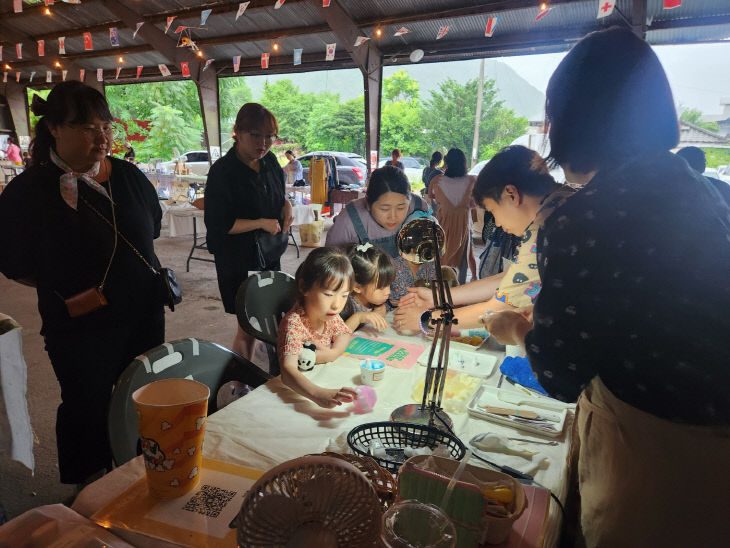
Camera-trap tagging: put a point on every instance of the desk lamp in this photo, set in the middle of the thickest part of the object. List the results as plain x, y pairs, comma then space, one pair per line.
422, 240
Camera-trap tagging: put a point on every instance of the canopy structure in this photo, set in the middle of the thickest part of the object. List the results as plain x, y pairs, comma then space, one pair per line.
182, 39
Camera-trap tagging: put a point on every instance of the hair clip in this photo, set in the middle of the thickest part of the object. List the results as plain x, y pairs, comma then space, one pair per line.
362, 248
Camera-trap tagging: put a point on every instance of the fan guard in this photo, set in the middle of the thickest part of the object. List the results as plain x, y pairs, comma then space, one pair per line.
310, 501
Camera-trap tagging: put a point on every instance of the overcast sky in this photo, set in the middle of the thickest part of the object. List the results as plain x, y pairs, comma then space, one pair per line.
699, 74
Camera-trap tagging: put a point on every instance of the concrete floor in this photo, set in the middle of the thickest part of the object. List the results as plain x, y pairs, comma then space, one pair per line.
200, 315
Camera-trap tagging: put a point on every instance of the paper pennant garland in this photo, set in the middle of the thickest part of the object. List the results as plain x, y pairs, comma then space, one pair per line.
163, 69
401, 31
48, 2
207, 64
88, 42
17, 8
605, 8
325, 3
19, 50
236, 63
298, 56
543, 12
64, 73
1, 53
671, 4
241, 8
49, 76
32, 74
61, 45
41, 48
113, 36
491, 25
265, 60
442, 32
82, 74
278, 4
179, 29
99, 75
204, 16
136, 30
139, 71
72, 1
330, 52
5, 77
116, 76
169, 22
17, 76
185, 68
360, 40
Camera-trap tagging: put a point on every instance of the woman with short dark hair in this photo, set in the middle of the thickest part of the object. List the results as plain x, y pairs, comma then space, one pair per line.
99, 302
452, 194
632, 319
247, 215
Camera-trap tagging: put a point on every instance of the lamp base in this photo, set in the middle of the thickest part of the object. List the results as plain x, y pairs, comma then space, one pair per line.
413, 412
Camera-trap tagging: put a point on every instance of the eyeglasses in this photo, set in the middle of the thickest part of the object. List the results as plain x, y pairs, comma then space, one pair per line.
91, 132
270, 138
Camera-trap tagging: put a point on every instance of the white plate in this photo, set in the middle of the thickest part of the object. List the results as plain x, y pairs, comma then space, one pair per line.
492, 396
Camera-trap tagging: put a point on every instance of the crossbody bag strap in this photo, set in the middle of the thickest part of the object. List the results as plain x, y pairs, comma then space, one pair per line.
116, 232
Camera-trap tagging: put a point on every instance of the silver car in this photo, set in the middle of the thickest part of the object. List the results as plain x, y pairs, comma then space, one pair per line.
351, 168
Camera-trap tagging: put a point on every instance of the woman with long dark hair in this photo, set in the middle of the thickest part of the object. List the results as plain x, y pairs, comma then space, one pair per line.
632, 319
63, 225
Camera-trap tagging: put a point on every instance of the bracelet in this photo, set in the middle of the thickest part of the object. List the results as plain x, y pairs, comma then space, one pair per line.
424, 323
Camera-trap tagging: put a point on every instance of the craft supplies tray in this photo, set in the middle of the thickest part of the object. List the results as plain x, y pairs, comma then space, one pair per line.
531, 413
465, 359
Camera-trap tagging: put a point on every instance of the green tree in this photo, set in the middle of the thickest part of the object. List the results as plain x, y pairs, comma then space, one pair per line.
400, 117
400, 87
694, 116
233, 93
320, 117
290, 107
168, 131
448, 118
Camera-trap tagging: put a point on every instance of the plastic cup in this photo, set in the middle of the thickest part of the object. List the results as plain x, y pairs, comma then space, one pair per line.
171, 415
413, 524
372, 371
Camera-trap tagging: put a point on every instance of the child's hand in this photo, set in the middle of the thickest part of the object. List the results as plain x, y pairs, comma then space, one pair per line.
374, 319
332, 397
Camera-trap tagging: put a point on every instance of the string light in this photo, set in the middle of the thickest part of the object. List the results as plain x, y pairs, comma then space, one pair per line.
57, 64
378, 32
543, 6
7, 67
47, 11
275, 46
121, 59
199, 53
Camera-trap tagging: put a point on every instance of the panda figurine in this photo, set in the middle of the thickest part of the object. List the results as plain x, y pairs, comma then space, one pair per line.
306, 359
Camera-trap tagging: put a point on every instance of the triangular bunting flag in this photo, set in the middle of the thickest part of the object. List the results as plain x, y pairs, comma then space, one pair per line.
298, 56
17, 7
605, 8
207, 64
82, 74
544, 10
136, 30
1, 53
88, 43
491, 25
330, 52
360, 40
236, 63
265, 60
19, 50
48, 2
401, 31
163, 69
278, 4
169, 22
32, 74
49, 76
442, 32
671, 4
204, 16
116, 76
113, 36
139, 71
99, 75
64, 73
17, 76
41, 48
5, 77
241, 8
62, 45
325, 3
185, 68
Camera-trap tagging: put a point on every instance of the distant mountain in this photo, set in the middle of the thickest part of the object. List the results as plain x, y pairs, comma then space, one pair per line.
517, 93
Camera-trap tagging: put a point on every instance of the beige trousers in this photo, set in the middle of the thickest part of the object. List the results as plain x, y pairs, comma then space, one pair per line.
647, 482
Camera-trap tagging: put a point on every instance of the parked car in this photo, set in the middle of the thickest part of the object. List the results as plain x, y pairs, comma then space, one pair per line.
412, 165
711, 172
723, 173
195, 160
351, 168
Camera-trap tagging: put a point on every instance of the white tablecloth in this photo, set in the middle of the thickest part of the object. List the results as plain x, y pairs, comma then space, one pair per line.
181, 221
272, 424
303, 214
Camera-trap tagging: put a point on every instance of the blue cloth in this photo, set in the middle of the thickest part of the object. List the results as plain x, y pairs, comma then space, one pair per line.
519, 370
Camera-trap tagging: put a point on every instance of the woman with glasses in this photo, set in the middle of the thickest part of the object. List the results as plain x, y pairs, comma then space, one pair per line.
632, 319
246, 214
99, 302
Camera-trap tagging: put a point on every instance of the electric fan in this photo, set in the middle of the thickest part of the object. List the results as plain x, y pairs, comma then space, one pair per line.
310, 501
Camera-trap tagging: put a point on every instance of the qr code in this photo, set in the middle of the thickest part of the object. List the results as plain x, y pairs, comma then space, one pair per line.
209, 501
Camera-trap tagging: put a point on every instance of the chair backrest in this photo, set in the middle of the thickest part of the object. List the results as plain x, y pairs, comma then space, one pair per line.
203, 361
261, 302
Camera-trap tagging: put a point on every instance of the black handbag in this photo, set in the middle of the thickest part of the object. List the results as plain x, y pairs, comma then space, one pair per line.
270, 247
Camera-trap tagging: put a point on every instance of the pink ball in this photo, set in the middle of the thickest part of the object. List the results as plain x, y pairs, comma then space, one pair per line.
366, 398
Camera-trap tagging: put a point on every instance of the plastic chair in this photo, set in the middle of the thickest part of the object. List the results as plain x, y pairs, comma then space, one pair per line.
203, 361
261, 301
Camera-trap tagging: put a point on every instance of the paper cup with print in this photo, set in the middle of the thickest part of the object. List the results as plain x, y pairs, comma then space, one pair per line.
171, 415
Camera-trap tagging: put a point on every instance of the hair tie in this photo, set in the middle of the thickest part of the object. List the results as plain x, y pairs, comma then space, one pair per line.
362, 248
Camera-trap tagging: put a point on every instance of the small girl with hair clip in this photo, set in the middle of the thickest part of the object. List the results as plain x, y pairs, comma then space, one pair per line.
374, 272
323, 283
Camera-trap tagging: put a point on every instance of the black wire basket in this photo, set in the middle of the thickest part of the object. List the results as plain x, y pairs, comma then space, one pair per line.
397, 436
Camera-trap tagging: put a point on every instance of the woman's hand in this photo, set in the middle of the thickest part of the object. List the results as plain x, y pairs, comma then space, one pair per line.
271, 226
408, 318
374, 319
332, 397
508, 326
286, 214
420, 297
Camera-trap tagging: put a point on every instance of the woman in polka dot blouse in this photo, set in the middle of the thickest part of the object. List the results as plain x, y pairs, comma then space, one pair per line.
632, 318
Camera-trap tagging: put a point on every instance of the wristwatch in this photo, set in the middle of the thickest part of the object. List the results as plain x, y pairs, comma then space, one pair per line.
424, 322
